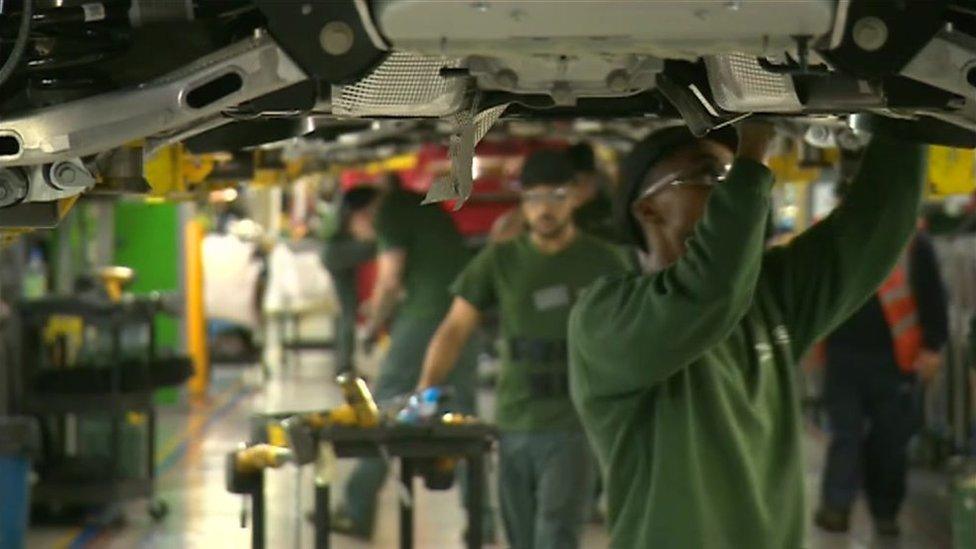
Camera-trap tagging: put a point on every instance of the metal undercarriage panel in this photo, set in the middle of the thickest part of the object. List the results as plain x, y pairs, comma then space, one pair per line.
672, 29
571, 50
228, 77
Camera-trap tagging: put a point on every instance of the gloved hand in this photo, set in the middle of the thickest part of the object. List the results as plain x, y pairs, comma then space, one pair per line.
755, 137
421, 405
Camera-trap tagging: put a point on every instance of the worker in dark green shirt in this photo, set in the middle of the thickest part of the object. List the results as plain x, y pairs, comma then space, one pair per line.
684, 375
533, 280
420, 252
342, 255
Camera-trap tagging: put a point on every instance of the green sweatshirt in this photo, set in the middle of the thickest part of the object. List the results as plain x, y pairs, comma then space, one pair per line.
685, 379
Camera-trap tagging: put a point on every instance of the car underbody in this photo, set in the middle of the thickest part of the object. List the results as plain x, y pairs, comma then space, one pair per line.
89, 89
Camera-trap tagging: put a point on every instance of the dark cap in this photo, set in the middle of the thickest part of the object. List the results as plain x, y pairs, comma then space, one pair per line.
358, 198
582, 157
644, 156
547, 167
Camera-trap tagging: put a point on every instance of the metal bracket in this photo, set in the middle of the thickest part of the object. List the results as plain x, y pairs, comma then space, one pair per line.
334, 40
469, 129
300, 440
228, 77
59, 180
44, 183
948, 62
690, 103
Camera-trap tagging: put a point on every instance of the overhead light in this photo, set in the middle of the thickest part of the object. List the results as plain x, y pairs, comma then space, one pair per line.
223, 195
476, 168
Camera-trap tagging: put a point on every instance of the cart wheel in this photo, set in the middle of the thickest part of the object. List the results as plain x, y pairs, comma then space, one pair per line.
158, 510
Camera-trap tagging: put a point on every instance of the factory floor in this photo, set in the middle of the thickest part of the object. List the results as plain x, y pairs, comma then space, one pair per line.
193, 440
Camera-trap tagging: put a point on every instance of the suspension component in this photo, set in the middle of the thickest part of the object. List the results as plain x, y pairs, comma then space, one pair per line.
13, 186
67, 43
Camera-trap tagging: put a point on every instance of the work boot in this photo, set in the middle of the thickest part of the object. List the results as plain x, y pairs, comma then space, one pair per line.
887, 527
341, 523
832, 519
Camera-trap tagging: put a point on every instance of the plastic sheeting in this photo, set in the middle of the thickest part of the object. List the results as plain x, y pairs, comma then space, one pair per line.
298, 282
230, 279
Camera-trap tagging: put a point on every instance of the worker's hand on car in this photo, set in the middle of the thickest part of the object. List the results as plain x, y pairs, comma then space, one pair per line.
927, 364
755, 137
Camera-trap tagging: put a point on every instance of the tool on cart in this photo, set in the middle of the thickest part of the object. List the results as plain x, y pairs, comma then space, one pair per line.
358, 396
291, 440
115, 279
427, 443
252, 459
423, 406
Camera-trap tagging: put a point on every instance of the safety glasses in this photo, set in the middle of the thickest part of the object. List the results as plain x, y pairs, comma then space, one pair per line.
708, 174
541, 196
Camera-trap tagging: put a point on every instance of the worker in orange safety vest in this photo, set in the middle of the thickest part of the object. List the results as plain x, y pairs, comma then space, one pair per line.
873, 364
901, 315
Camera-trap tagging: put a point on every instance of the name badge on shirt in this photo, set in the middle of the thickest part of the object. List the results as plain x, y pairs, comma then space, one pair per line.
551, 298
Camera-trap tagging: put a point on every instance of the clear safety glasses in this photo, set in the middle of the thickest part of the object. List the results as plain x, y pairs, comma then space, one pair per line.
708, 174
542, 196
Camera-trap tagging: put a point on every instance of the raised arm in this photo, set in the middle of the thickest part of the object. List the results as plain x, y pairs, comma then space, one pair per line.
632, 332
825, 274
388, 289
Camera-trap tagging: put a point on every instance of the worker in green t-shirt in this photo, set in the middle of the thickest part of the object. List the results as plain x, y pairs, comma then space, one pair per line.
684, 375
532, 281
420, 252
594, 209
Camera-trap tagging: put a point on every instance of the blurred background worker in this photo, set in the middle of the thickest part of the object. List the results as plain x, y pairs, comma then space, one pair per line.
870, 390
593, 212
545, 466
594, 215
420, 253
343, 255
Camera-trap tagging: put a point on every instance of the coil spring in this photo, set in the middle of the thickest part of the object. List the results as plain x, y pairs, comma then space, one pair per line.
66, 44
70, 44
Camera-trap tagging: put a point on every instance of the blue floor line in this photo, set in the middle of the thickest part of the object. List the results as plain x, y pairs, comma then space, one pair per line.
92, 531
178, 452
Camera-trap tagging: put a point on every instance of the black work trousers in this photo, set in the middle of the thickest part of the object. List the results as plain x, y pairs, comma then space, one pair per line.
873, 409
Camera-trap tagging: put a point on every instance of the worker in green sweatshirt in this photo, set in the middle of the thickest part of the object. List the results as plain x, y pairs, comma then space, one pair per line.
684, 375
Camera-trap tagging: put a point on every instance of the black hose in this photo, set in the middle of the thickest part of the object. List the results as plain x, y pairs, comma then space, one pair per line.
23, 33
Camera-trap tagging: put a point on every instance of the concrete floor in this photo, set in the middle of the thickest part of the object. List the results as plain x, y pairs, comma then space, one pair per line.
195, 438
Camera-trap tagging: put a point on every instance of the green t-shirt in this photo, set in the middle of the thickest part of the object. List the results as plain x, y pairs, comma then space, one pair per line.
685, 379
434, 249
533, 293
